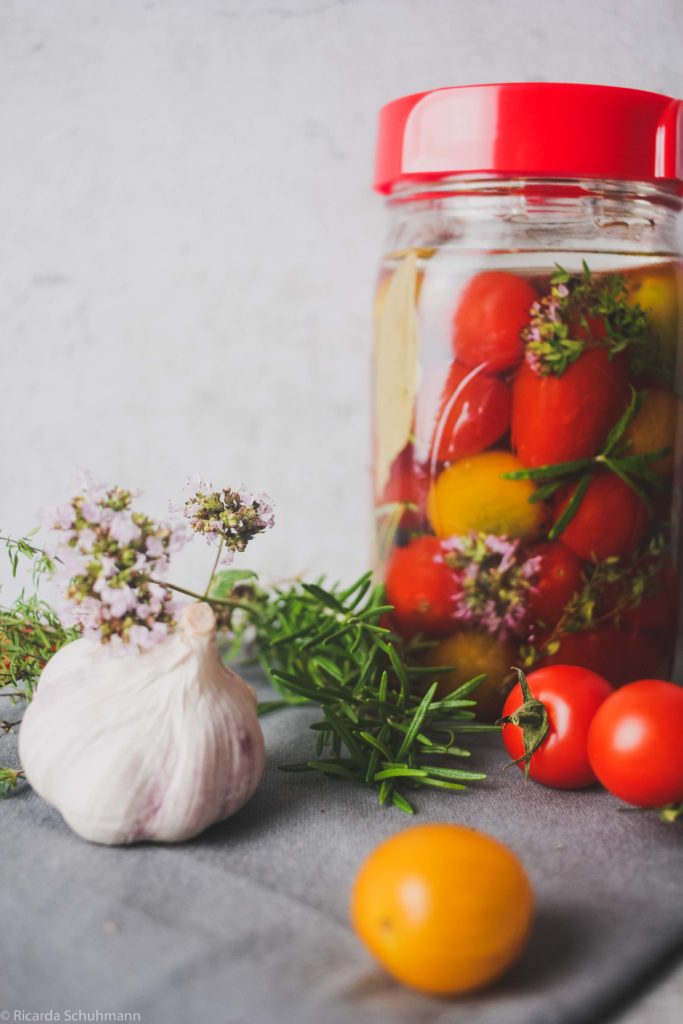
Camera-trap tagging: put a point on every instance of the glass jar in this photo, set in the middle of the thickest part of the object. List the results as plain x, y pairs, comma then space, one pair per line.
527, 457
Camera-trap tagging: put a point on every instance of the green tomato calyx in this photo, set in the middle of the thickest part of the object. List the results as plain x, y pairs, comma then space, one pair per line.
532, 718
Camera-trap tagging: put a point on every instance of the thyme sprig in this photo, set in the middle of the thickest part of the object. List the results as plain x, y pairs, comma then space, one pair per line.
633, 470
633, 579
30, 633
23, 547
30, 629
325, 646
585, 309
594, 604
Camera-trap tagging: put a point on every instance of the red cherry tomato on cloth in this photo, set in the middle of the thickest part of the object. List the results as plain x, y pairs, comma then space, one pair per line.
559, 419
610, 520
494, 308
422, 588
564, 699
559, 577
474, 412
635, 743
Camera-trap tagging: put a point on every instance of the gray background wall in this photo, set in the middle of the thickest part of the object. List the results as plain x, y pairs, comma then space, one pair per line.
188, 237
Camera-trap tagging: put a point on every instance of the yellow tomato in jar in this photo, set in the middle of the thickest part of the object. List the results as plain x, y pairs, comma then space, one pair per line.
445, 909
473, 494
474, 652
654, 428
656, 290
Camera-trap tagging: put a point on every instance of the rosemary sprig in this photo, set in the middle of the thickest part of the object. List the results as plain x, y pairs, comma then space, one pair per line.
378, 727
631, 469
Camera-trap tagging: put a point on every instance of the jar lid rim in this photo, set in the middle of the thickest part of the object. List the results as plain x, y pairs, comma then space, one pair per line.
531, 129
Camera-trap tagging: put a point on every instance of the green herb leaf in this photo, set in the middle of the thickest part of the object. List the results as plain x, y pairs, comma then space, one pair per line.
225, 581
571, 508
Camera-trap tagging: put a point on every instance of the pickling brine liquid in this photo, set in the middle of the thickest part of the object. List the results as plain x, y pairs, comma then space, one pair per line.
527, 467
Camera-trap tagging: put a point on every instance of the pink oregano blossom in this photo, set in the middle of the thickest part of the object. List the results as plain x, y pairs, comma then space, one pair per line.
227, 517
496, 581
549, 346
114, 560
110, 557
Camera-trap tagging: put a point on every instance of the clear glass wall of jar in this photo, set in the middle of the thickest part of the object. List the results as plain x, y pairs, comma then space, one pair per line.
528, 434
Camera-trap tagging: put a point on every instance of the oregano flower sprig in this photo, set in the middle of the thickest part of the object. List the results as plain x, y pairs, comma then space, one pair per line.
549, 348
581, 310
228, 517
114, 561
495, 580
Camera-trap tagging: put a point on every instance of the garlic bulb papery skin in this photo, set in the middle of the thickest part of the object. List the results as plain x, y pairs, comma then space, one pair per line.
157, 745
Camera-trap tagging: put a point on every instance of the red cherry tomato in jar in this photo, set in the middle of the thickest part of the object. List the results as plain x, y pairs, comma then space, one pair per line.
474, 412
609, 522
559, 419
571, 696
620, 655
422, 588
635, 743
659, 610
493, 310
588, 327
408, 484
559, 577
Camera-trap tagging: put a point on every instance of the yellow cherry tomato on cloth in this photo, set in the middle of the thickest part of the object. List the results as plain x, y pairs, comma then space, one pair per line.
473, 495
445, 909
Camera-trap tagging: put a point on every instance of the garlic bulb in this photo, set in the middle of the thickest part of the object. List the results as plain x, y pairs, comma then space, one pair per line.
157, 746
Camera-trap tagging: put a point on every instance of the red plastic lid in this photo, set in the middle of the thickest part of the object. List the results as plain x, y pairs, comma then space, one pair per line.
531, 129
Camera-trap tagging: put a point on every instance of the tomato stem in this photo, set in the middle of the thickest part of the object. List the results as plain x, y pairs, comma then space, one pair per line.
532, 718
672, 812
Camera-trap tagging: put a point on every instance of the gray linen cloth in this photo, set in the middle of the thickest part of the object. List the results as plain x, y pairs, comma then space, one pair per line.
249, 925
